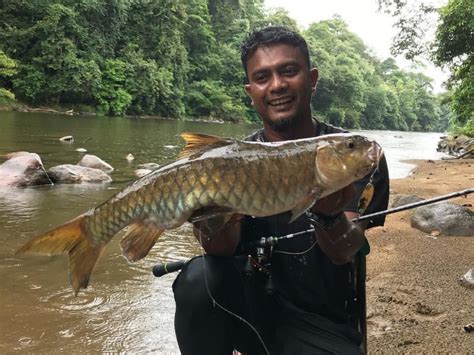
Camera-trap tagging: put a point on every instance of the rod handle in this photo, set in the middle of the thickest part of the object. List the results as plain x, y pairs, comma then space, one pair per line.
166, 268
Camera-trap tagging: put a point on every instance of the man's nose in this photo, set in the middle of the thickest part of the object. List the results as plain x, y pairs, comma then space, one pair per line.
278, 83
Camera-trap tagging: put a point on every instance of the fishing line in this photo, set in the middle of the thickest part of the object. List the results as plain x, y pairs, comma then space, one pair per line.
296, 253
228, 311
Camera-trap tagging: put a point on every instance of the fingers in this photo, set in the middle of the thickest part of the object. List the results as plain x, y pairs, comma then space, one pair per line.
335, 202
218, 224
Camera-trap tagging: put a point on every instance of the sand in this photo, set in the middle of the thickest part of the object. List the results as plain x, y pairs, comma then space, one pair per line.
415, 302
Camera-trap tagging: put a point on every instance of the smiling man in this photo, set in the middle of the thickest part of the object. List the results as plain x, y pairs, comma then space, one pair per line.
313, 307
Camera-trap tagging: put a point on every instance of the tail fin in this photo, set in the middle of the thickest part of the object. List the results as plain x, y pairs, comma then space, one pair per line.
70, 238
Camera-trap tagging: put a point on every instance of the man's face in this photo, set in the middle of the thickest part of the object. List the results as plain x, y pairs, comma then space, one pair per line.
280, 85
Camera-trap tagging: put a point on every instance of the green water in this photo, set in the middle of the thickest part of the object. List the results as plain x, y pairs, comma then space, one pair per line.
125, 308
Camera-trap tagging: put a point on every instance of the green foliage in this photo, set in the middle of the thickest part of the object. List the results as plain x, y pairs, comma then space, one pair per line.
6, 94
208, 99
181, 58
452, 47
455, 48
111, 96
8, 68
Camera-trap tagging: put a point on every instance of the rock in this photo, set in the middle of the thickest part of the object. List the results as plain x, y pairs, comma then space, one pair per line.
149, 166
94, 162
129, 157
459, 145
447, 218
23, 169
142, 172
75, 174
468, 279
81, 150
402, 200
68, 139
15, 154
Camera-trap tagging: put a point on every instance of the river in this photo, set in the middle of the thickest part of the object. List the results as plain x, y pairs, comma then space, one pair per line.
125, 308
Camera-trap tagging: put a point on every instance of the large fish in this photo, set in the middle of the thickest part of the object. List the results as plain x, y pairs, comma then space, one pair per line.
213, 175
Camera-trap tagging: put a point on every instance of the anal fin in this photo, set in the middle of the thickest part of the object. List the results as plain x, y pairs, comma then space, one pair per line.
139, 239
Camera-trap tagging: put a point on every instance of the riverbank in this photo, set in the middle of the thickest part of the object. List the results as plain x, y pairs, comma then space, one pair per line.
415, 301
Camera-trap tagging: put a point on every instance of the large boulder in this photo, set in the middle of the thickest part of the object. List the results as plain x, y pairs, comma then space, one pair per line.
446, 218
459, 145
94, 162
23, 169
74, 174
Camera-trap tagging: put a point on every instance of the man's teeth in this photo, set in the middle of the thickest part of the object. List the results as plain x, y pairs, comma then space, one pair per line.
280, 101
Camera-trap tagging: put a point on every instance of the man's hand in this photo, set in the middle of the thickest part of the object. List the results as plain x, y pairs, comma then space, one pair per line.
334, 203
341, 242
219, 235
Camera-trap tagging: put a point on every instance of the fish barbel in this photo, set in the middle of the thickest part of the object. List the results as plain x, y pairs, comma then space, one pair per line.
213, 175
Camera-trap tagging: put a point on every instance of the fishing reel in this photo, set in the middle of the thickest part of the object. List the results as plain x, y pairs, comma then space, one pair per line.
258, 262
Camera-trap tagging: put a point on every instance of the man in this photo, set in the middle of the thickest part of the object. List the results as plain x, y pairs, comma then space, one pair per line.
312, 309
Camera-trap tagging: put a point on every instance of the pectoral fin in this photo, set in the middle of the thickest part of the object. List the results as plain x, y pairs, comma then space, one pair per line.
208, 212
304, 205
139, 239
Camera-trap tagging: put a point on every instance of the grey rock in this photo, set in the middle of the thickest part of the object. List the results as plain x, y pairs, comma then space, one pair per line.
149, 166
67, 139
447, 218
75, 174
94, 162
402, 200
142, 172
468, 279
23, 169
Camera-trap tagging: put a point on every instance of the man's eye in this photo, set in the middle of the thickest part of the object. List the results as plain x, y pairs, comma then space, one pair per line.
260, 78
290, 71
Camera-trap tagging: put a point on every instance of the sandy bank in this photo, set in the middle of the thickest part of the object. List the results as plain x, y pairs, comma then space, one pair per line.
415, 302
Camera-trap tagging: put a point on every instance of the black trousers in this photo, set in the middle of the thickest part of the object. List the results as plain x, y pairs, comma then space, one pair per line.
208, 284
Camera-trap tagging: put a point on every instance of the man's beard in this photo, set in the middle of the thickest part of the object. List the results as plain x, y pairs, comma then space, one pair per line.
282, 125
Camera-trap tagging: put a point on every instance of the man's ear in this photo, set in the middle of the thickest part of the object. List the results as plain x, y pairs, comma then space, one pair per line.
248, 90
314, 75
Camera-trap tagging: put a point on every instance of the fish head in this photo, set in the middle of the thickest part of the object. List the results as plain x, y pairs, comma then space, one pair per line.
344, 158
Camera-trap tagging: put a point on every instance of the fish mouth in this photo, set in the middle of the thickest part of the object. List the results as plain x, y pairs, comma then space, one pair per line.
280, 101
375, 152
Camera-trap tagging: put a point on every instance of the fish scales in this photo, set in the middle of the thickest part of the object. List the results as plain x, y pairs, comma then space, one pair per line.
251, 178
261, 186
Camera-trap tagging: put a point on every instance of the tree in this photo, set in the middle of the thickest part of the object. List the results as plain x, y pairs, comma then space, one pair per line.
413, 20
8, 68
454, 48
111, 94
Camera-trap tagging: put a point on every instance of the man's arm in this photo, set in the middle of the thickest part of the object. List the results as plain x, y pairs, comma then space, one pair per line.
219, 235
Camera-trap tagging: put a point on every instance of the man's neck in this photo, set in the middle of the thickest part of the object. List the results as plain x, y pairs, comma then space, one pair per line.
304, 129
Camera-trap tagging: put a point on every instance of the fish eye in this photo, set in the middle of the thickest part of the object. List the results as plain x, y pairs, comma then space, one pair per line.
351, 145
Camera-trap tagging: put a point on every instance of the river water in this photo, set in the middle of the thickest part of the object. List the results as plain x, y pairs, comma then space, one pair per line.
125, 308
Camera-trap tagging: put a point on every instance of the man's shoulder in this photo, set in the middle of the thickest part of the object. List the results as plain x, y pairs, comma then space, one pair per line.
326, 128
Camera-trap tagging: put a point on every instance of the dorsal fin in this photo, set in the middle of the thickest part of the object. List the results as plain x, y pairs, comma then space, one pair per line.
198, 142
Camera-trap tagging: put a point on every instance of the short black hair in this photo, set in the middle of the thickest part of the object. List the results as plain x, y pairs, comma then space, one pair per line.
269, 36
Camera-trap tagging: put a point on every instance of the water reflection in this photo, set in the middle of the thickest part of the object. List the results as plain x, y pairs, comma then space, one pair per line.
125, 309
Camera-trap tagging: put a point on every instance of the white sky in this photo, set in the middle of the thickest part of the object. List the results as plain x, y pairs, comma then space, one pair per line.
362, 17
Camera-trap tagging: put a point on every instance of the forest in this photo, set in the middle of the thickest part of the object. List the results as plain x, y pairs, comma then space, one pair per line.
180, 59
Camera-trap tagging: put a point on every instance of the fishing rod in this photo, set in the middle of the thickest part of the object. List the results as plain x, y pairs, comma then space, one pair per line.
166, 268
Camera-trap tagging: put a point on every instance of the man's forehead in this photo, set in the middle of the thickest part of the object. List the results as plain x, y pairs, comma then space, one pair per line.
275, 54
